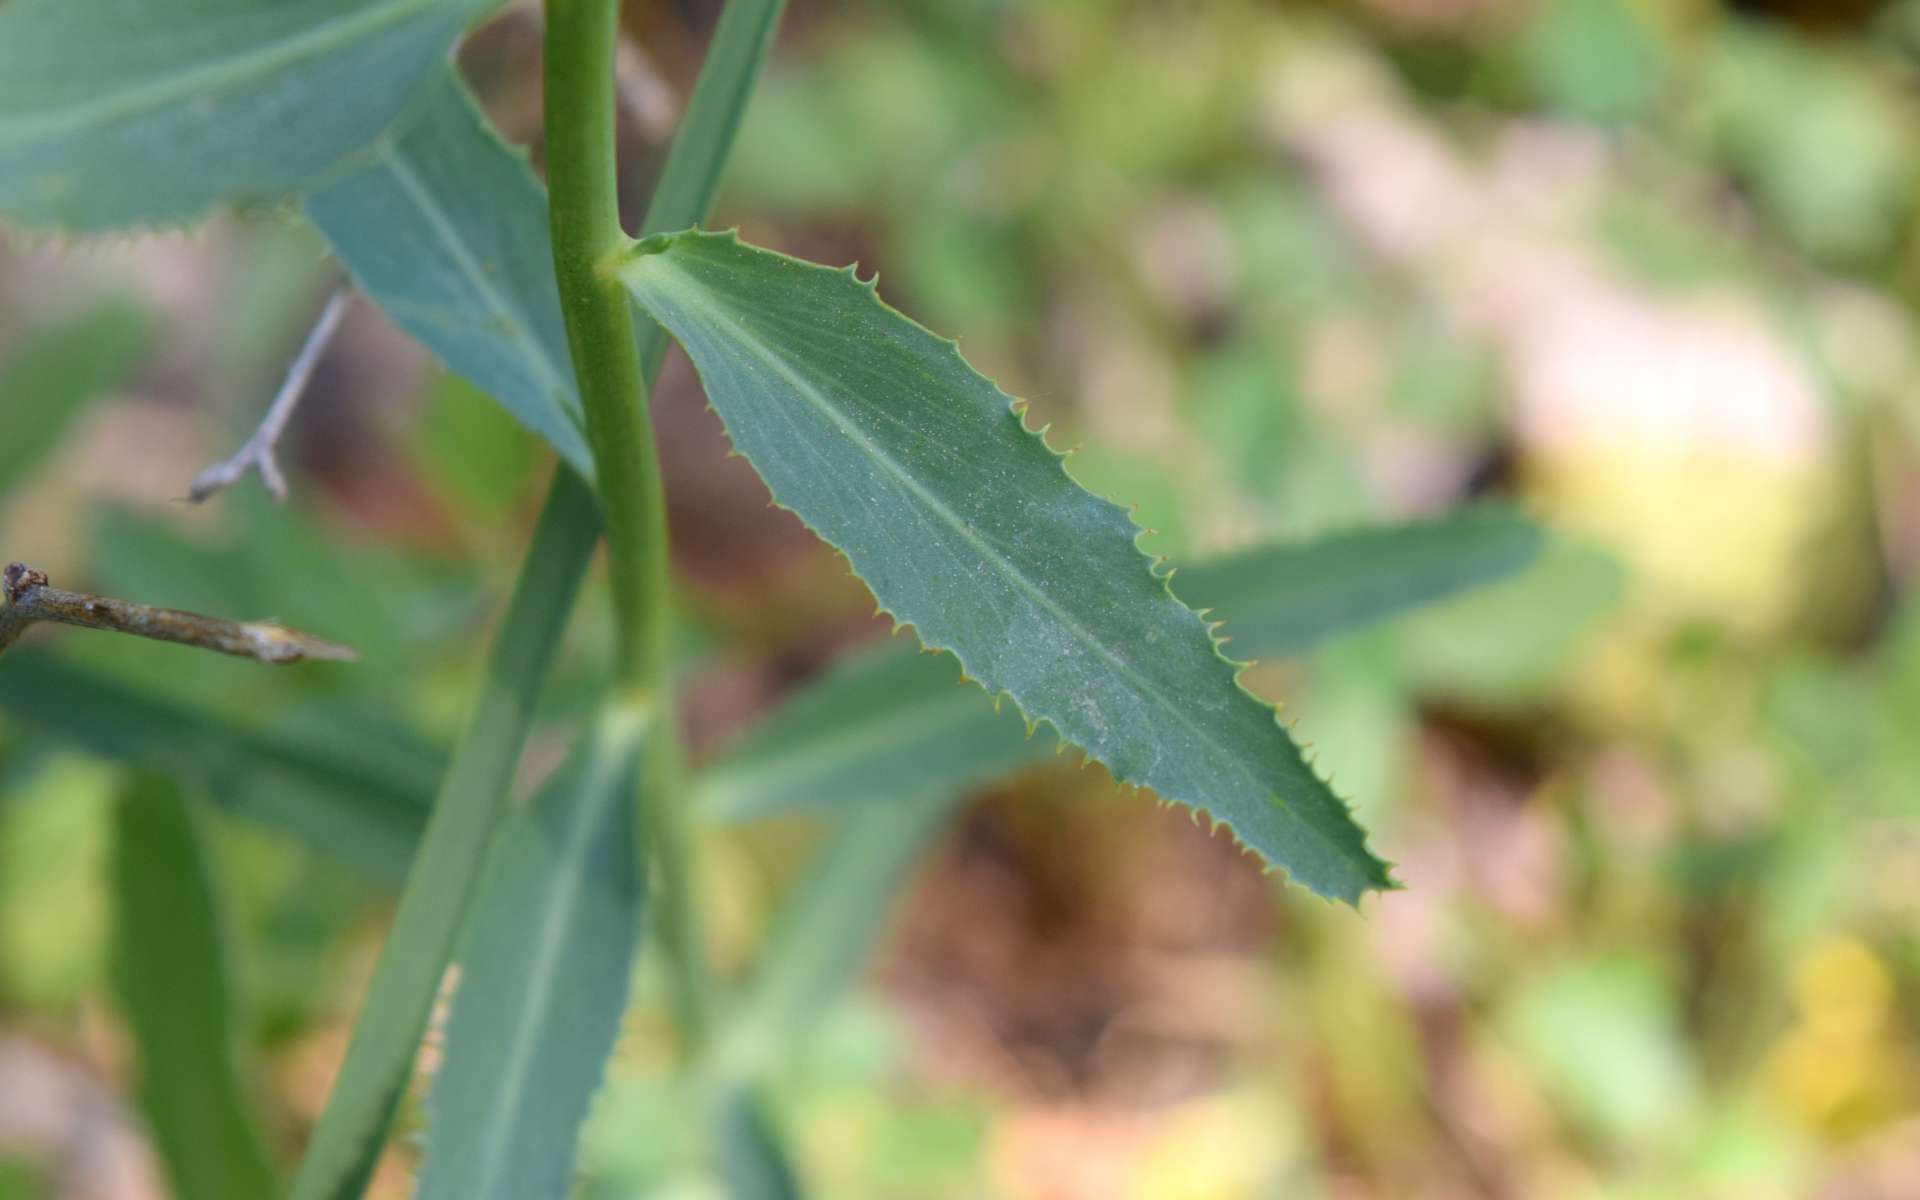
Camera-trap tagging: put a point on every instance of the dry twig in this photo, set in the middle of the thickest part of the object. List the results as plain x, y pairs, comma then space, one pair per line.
257, 452
29, 597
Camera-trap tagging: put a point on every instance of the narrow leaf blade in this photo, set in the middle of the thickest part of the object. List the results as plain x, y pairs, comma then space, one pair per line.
543, 982
883, 723
440, 886
115, 114
332, 788
445, 228
704, 141
828, 927
170, 976
1281, 600
753, 1160
967, 526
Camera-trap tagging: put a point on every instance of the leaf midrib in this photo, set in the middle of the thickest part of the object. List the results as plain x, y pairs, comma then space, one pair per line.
252, 62
544, 974
698, 299
449, 235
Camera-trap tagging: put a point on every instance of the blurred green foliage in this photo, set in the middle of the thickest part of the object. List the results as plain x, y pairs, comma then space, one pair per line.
1661, 842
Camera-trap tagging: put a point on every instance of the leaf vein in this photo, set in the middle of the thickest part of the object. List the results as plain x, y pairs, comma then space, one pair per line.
772, 359
456, 247
258, 62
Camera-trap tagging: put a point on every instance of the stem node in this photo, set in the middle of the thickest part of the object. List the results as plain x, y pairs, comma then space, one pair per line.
588, 244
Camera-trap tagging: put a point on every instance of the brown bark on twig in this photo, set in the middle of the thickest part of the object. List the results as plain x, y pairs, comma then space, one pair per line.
30, 597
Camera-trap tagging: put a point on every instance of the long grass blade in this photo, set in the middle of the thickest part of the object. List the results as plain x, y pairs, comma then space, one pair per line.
754, 1162
170, 976
824, 935
363, 800
441, 885
543, 981
1282, 600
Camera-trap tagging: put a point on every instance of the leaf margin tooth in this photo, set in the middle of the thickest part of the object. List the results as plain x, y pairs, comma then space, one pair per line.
1379, 871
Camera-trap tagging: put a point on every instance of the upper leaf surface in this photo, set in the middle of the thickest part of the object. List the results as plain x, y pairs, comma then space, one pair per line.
125, 112
888, 722
445, 228
966, 525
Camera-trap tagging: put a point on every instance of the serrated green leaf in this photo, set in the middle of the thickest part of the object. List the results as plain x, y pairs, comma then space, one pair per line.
364, 800
886, 721
966, 525
543, 981
880, 725
704, 143
445, 229
890, 721
45, 383
169, 972
125, 112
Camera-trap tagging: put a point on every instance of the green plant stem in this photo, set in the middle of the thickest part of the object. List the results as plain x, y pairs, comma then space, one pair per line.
587, 239
587, 244
347, 1142
664, 814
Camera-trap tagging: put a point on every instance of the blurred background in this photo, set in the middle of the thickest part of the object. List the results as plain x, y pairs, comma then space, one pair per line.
1648, 268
